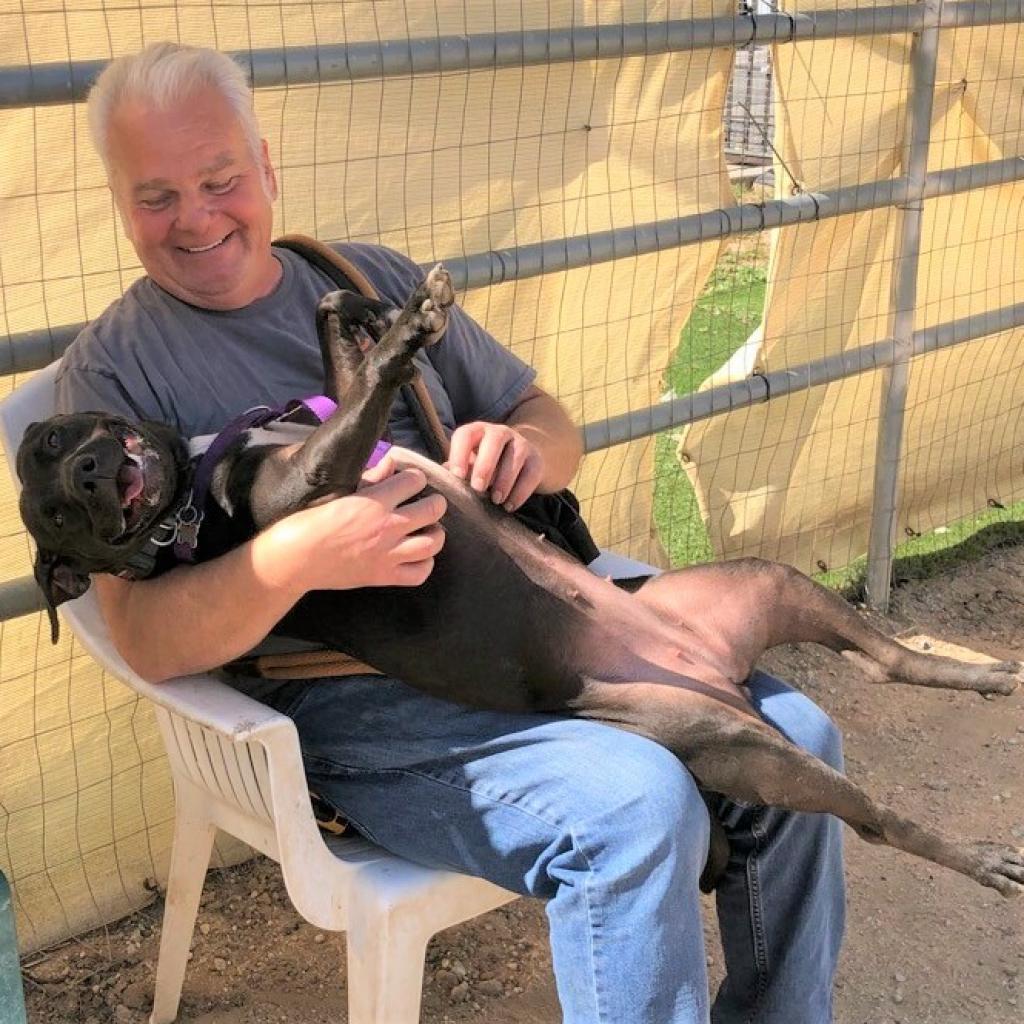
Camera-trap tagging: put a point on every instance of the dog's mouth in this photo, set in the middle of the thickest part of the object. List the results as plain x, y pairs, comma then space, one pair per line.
139, 481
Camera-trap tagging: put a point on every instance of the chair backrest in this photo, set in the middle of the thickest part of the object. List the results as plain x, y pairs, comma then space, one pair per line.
28, 403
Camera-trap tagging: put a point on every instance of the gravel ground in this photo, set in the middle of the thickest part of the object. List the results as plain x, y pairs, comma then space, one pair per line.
924, 946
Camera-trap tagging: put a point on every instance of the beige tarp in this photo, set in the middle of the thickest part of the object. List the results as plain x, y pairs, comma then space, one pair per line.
792, 479
439, 166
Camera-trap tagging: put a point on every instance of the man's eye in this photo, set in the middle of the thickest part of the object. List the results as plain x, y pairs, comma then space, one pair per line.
53, 439
58, 519
158, 203
219, 188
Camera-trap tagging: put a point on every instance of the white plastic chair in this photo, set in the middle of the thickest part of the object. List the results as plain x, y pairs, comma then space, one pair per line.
236, 766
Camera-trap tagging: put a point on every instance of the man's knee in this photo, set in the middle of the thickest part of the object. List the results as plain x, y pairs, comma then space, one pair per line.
798, 718
650, 810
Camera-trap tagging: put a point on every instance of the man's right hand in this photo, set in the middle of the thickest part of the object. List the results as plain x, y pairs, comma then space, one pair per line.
380, 536
195, 618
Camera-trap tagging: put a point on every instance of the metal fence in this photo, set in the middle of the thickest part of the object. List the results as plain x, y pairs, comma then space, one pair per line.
40, 85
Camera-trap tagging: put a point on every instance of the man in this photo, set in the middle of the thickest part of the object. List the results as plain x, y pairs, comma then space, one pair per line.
606, 826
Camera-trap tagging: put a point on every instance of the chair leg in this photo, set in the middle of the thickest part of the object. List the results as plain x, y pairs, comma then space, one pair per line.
190, 857
386, 952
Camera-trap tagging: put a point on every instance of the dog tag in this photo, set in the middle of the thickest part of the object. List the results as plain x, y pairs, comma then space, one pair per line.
189, 520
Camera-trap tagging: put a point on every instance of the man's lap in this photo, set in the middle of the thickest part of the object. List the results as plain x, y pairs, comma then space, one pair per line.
490, 792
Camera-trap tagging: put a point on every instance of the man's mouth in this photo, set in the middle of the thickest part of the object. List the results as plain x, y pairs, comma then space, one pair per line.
195, 250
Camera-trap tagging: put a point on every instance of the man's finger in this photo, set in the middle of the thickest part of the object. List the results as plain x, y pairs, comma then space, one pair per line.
398, 487
385, 468
463, 444
509, 468
420, 513
419, 546
488, 452
412, 574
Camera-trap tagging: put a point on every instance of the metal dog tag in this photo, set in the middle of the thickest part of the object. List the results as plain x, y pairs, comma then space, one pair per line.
189, 519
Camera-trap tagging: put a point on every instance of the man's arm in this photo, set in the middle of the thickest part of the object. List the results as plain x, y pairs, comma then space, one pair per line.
193, 619
537, 448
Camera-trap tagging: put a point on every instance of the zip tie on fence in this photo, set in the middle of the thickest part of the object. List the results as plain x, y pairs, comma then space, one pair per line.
767, 385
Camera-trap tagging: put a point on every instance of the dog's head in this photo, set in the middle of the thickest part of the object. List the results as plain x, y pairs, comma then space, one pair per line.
94, 487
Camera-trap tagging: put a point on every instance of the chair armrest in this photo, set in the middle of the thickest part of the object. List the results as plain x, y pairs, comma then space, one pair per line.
617, 567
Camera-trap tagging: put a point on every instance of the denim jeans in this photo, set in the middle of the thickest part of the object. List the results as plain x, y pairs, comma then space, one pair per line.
611, 830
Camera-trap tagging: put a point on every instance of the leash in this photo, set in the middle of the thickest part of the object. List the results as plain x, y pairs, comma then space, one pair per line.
347, 276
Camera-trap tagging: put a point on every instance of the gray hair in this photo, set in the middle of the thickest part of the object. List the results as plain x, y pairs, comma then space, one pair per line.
162, 74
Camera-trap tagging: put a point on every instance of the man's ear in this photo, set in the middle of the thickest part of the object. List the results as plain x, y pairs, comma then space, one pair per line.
267, 169
59, 583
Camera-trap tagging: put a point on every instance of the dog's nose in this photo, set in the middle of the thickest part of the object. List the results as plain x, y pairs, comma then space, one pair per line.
85, 472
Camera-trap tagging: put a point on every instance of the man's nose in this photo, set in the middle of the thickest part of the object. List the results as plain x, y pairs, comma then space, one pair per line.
193, 213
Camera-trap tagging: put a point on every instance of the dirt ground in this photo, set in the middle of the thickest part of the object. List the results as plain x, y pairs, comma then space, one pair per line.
924, 946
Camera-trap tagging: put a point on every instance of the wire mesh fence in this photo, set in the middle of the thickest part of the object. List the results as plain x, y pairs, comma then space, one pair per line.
725, 339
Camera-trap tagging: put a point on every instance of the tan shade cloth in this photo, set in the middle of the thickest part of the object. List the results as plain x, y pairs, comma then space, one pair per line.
792, 479
438, 166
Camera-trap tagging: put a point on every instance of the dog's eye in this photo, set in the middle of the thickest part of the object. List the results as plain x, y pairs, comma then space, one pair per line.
53, 439
58, 519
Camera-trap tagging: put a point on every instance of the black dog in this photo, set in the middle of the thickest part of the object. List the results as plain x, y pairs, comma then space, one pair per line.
509, 622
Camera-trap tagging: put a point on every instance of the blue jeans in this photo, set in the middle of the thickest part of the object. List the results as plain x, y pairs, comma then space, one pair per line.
611, 830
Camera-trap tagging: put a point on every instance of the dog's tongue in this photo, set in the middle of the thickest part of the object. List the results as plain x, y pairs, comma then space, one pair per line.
131, 482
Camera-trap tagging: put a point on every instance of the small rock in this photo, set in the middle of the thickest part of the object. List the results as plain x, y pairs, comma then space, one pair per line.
122, 1015
459, 969
897, 996
899, 978
446, 979
319, 937
939, 785
204, 928
491, 987
220, 964
49, 972
460, 993
136, 995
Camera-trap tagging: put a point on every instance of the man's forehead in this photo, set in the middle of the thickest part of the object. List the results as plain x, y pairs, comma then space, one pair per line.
155, 144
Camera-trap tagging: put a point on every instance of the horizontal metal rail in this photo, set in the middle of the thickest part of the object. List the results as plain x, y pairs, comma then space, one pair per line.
762, 387
32, 350
66, 82
22, 596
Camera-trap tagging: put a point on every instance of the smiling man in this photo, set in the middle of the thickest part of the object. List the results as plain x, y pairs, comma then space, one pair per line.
195, 201
606, 825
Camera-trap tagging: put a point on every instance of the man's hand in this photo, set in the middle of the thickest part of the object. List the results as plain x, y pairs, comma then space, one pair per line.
537, 448
377, 537
496, 458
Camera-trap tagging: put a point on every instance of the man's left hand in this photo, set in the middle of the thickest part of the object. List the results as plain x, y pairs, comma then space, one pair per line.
496, 458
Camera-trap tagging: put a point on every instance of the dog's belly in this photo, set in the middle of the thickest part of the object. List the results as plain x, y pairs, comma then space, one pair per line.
504, 621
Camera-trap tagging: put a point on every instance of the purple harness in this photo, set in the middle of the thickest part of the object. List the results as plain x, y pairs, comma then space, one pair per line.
189, 517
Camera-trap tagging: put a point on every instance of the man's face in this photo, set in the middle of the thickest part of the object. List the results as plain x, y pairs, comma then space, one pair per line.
194, 200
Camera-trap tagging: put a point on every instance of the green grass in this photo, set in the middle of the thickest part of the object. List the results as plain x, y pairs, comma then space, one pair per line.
722, 319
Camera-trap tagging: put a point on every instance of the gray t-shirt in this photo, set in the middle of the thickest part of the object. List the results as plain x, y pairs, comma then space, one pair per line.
152, 356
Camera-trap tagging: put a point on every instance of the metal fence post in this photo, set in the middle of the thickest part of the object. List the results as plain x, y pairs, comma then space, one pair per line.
885, 503
12, 998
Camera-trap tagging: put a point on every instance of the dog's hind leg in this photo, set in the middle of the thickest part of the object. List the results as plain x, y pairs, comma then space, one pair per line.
741, 608
743, 758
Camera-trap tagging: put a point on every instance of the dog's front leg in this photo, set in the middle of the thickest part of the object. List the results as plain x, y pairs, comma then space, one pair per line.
332, 459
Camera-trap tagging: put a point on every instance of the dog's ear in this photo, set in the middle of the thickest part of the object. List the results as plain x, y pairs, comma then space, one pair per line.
59, 582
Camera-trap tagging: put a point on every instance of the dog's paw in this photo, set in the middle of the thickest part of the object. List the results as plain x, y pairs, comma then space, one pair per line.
1001, 677
999, 867
440, 295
